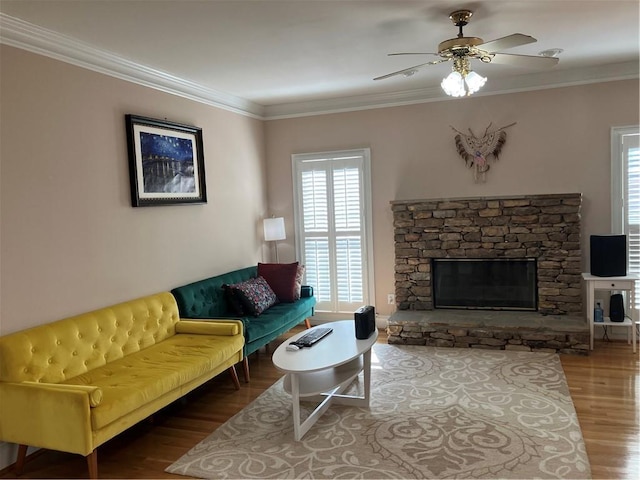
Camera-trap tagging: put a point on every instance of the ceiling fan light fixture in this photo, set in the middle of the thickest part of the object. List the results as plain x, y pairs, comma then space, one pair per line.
462, 49
462, 81
474, 82
453, 85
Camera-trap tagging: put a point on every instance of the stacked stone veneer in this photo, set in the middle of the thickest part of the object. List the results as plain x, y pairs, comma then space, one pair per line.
545, 227
529, 331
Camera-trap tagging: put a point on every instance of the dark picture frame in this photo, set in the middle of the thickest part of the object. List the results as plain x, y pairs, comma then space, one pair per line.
166, 162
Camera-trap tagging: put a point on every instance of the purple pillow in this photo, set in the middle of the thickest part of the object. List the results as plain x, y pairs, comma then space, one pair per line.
255, 294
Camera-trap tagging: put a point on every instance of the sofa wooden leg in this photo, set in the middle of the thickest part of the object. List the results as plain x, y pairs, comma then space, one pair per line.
307, 323
245, 368
234, 376
22, 454
92, 463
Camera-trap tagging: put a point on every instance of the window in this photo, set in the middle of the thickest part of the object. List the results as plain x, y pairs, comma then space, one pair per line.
333, 225
625, 190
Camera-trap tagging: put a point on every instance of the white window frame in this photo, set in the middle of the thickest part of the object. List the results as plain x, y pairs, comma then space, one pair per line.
619, 180
367, 246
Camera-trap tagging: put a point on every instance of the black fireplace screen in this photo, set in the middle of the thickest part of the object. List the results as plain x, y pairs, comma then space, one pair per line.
499, 284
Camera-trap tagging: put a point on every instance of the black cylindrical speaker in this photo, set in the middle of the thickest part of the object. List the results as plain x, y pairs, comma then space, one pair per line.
616, 308
609, 255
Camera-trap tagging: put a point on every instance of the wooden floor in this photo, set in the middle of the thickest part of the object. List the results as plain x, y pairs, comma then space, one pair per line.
605, 388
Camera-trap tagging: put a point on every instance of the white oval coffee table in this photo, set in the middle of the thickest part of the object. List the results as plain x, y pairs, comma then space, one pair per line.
322, 372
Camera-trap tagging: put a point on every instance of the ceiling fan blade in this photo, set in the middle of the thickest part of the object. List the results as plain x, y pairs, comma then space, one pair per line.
509, 41
411, 53
526, 61
408, 71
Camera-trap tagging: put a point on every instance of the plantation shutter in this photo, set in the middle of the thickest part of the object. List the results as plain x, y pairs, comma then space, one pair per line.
331, 227
632, 201
625, 191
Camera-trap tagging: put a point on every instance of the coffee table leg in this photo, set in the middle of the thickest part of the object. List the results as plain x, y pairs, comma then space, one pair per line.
302, 427
367, 377
295, 400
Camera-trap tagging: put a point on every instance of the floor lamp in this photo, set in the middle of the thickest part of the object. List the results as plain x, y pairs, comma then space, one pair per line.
274, 231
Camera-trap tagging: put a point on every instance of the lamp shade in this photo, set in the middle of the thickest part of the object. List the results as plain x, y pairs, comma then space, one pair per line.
474, 81
453, 85
274, 229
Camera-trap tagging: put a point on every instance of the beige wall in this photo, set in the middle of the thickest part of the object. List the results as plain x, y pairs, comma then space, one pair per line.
559, 145
70, 240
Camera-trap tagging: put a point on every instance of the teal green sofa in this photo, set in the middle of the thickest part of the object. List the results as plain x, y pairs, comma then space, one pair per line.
205, 299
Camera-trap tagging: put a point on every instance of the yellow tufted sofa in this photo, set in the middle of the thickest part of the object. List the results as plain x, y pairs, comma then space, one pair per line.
73, 384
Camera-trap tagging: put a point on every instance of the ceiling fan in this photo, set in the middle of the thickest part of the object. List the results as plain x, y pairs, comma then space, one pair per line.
463, 49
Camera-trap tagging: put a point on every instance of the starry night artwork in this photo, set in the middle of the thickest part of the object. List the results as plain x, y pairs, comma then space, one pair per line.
165, 161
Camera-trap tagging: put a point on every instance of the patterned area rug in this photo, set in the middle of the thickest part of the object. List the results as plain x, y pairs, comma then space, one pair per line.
435, 413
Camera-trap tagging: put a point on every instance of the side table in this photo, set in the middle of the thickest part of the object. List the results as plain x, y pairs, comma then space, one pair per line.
626, 283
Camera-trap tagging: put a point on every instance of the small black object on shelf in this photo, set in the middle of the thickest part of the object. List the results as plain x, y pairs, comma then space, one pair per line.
365, 318
616, 308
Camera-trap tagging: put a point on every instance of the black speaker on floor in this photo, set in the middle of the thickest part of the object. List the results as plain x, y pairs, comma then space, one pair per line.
616, 308
365, 318
609, 255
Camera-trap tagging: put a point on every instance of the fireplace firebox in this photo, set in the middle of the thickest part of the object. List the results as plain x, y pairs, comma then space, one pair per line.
494, 284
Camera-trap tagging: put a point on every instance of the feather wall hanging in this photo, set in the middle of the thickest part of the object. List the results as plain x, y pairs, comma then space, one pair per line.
475, 151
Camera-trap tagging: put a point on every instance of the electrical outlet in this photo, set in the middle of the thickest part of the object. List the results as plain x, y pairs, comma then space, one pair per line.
391, 299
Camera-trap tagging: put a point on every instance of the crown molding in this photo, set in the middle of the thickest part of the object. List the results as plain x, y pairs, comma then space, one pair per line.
20, 34
27, 36
515, 84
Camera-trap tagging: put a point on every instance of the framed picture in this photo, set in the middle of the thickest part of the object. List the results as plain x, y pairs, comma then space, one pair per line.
166, 162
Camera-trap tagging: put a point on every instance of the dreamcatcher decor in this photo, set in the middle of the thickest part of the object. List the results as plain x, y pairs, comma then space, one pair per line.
476, 151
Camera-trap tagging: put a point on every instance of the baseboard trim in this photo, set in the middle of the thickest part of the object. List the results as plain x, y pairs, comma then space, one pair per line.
382, 321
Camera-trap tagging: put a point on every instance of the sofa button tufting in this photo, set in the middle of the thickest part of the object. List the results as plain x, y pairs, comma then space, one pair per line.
74, 353
58, 342
50, 361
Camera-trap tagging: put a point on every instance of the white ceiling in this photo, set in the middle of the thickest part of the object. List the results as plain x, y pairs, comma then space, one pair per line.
274, 58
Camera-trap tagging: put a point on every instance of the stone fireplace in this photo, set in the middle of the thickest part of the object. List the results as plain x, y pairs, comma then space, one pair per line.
544, 229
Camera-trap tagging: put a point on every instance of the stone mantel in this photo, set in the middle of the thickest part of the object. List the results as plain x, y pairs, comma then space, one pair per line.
544, 227
485, 199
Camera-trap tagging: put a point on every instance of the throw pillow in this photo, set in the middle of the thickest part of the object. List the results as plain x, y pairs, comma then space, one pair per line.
298, 284
281, 277
234, 304
255, 294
